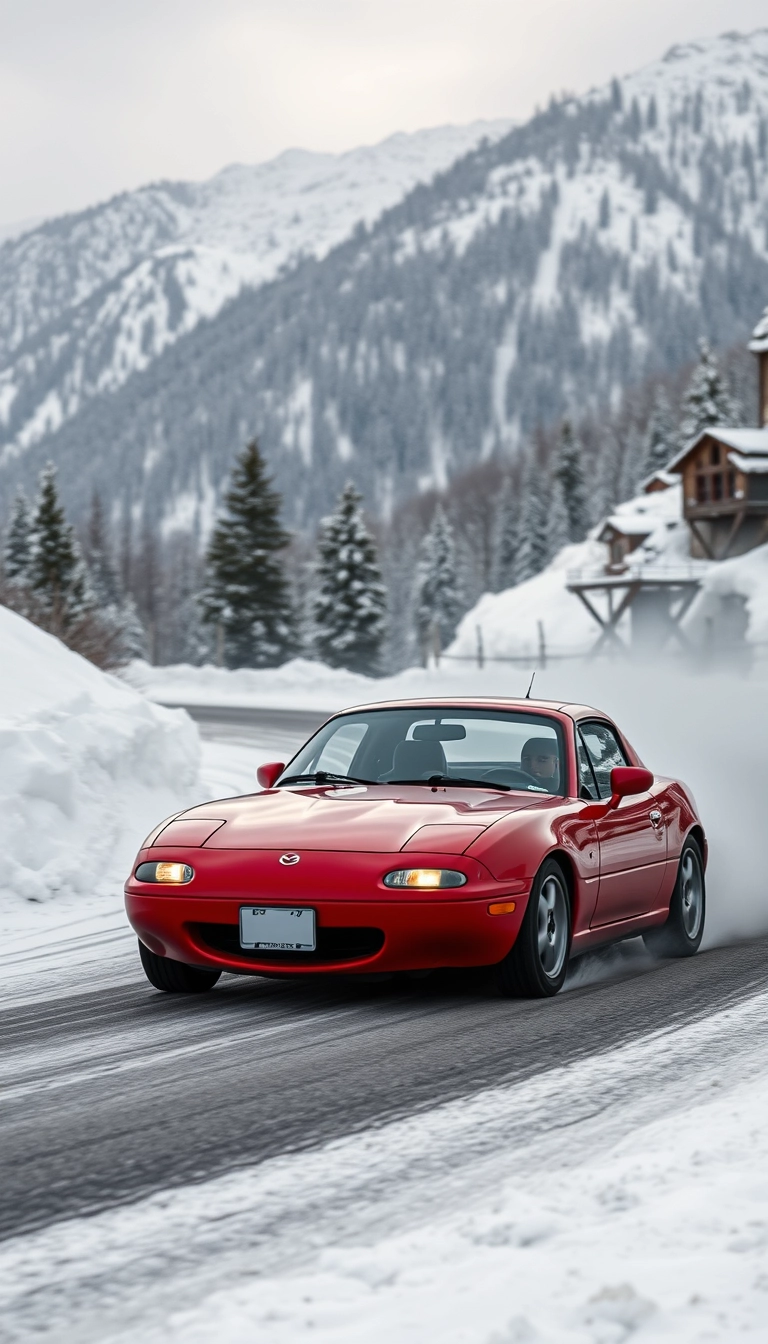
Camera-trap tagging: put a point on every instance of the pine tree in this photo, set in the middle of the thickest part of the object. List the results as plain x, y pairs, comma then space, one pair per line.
534, 549
559, 530
438, 601
569, 472
246, 595
350, 602
17, 552
57, 574
707, 401
133, 636
604, 210
98, 553
507, 538
659, 437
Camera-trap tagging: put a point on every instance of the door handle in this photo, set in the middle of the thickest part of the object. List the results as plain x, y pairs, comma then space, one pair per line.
655, 818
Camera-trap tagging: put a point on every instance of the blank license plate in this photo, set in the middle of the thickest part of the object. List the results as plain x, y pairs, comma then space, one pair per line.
277, 928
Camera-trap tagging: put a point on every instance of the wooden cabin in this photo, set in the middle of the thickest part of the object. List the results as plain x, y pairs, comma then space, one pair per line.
759, 347
660, 480
725, 476
622, 536
725, 491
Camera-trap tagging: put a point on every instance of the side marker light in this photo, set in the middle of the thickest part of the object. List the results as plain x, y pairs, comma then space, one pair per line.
502, 908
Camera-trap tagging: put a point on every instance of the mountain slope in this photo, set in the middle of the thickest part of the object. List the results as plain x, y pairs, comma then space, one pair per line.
539, 274
91, 298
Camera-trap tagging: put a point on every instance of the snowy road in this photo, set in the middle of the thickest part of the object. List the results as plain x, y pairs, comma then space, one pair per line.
112, 1092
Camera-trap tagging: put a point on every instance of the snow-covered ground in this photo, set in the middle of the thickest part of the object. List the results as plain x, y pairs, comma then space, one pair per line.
620, 1196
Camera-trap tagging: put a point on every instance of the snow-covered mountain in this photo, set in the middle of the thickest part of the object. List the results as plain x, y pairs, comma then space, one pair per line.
89, 299
540, 273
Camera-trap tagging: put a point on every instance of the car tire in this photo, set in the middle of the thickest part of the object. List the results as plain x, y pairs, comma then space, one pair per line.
538, 963
174, 977
681, 935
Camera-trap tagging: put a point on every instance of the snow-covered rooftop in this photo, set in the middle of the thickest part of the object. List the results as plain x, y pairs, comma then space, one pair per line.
747, 441
759, 341
629, 525
757, 466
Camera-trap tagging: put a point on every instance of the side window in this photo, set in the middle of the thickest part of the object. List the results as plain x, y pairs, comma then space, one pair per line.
587, 784
339, 750
604, 753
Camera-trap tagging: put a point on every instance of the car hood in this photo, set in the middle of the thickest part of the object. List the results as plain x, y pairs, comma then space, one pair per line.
381, 819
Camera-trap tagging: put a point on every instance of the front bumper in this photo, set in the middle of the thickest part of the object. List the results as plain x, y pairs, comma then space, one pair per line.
362, 926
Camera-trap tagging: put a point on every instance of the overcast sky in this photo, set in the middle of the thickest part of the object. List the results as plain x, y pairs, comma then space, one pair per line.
100, 95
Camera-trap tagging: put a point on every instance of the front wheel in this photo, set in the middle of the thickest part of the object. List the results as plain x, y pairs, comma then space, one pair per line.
683, 931
174, 977
537, 965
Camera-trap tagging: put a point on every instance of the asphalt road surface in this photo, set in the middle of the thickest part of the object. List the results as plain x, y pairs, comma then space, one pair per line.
110, 1093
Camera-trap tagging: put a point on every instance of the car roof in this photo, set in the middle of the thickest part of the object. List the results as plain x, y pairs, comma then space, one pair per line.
481, 702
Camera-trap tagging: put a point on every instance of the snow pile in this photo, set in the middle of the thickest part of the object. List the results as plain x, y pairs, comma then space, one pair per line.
87, 766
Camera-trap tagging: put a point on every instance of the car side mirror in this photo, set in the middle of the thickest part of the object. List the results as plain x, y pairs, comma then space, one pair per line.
627, 780
267, 775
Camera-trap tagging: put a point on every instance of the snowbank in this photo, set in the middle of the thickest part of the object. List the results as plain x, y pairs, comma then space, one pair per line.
87, 766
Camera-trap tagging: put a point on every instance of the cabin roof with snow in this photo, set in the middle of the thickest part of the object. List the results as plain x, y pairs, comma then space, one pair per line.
660, 480
625, 525
748, 443
759, 343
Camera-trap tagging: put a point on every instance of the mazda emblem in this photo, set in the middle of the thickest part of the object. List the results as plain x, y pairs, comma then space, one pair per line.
288, 860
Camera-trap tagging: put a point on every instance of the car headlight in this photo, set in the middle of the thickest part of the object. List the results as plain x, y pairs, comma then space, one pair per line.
173, 874
425, 878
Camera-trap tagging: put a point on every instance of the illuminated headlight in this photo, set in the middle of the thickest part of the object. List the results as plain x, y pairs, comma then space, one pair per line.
425, 878
173, 874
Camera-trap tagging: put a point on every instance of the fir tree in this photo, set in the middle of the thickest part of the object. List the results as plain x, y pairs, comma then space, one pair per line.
659, 437
57, 574
559, 527
246, 594
507, 538
604, 211
17, 552
707, 401
570, 473
438, 602
534, 549
350, 602
101, 566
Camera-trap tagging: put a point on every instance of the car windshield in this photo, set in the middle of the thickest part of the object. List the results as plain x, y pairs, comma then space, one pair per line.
476, 747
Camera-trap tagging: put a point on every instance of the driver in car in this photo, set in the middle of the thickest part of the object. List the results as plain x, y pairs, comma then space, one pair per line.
539, 759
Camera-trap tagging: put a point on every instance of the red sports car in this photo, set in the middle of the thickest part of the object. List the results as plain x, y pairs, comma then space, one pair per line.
417, 834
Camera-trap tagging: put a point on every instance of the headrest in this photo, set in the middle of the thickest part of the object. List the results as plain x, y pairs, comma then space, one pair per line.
412, 760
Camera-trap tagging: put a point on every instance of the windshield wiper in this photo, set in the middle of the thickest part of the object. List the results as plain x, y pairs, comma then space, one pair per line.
455, 779
324, 777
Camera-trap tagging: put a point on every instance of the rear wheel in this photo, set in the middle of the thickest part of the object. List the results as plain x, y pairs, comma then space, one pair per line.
174, 976
537, 965
682, 933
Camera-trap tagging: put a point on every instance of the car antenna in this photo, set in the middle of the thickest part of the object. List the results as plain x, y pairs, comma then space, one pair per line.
530, 685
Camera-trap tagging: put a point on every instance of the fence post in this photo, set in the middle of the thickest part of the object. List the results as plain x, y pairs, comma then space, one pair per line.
480, 652
542, 645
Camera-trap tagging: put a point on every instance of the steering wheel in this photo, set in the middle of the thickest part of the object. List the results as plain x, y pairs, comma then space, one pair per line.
511, 776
